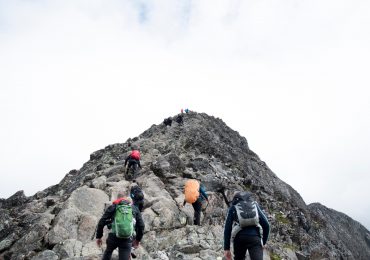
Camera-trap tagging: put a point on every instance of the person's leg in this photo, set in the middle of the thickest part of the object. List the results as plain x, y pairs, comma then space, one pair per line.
255, 248
134, 170
111, 245
197, 205
124, 249
240, 248
140, 205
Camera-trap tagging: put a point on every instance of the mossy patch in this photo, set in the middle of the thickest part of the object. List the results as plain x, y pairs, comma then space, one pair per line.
281, 218
274, 256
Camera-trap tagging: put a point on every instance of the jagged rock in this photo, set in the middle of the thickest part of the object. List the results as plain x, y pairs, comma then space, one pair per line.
15, 200
68, 248
79, 216
64, 216
99, 183
46, 255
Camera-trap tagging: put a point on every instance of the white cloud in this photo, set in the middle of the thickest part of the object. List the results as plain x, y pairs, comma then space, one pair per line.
290, 77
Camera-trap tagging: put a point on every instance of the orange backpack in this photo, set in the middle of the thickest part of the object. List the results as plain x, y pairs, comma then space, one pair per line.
191, 191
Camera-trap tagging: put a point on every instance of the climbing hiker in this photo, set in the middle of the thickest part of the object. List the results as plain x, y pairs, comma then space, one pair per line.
195, 194
179, 119
167, 121
247, 226
125, 219
137, 196
133, 160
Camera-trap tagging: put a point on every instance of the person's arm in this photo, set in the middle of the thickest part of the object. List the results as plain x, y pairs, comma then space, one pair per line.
184, 203
138, 163
202, 191
264, 224
228, 228
127, 158
108, 214
139, 226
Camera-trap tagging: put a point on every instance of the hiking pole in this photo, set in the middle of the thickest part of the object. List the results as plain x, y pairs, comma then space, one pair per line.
222, 191
93, 235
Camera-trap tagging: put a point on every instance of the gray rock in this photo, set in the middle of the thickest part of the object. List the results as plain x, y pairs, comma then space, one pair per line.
79, 216
46, 255
64, 216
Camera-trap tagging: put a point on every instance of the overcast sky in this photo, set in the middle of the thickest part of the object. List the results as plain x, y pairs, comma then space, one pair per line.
291, 76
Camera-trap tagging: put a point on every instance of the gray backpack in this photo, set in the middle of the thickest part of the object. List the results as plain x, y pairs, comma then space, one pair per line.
247, 213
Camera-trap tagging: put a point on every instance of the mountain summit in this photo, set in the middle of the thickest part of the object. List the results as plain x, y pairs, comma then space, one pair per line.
58, 222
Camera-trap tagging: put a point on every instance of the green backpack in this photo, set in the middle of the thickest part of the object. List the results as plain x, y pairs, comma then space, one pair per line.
123, 225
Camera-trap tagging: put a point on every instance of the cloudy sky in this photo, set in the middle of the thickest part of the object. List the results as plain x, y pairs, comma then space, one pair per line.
291, 76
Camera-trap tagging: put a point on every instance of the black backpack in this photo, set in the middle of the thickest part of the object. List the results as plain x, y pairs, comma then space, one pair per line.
136, 193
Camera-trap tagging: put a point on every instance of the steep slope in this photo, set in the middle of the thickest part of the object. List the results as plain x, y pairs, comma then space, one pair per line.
58, 223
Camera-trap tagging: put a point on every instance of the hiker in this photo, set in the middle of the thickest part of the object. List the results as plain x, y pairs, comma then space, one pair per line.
195, 193
167, 121
182, 110
121, 215
133, 160
186, 110
179, 119
137, 196
247, 226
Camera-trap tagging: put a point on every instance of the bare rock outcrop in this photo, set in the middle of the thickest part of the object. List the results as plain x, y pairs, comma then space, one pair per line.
58, 222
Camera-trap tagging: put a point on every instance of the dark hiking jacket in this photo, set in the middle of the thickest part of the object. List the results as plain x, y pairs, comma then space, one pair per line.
108, 218
251, 231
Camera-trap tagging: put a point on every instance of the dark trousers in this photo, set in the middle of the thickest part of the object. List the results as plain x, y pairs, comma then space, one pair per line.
139, 204
132, 163
123, 244
197, 205
253, 244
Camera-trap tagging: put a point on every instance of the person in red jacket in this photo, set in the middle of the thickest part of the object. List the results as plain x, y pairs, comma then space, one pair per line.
133, 160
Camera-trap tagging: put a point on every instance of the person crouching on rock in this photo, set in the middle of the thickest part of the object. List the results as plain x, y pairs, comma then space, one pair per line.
195, 194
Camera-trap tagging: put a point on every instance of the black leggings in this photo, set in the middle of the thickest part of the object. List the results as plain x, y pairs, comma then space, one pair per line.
123, 244
253, 244
197, 205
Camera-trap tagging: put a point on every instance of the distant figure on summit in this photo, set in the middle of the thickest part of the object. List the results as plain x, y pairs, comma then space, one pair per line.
187, 110
179, 119
167, 121
133, 160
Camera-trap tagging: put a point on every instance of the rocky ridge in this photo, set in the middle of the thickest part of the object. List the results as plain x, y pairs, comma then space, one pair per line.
58, 222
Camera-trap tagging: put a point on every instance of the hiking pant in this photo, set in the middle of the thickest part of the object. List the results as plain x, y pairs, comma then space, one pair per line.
197, 205
139, 204
123, 244
132, 163
253, 244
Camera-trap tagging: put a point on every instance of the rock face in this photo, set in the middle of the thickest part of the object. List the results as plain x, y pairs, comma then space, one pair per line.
58, 222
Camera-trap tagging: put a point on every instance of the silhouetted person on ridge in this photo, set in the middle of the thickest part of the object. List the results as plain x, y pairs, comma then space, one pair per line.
167, 121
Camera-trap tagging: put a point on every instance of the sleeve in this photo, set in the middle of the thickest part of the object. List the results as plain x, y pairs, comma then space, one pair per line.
184, 203
106, 218
202, 191
228, 227
127, 158
265, 224
138, 163
139, 226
